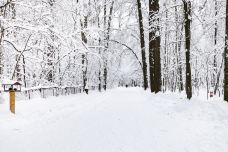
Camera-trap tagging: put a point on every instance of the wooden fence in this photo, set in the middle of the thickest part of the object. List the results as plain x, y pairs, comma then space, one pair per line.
45, 92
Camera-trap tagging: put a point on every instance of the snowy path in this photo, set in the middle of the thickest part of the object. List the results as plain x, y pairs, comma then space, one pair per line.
120, 120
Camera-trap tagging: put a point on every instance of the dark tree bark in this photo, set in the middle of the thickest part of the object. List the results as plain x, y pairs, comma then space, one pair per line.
51, 48
105, 74
226, 57
187, 27
24, 71
154, 47
99, 72
142, 41
84, 58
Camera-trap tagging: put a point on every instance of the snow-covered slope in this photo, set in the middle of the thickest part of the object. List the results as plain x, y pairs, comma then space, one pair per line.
119, 120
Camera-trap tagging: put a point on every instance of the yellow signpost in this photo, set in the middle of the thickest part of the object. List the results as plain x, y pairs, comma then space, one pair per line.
12, 101
12, 88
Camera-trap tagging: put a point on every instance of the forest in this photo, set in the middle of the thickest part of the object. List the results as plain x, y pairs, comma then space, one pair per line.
161, 45
113, 75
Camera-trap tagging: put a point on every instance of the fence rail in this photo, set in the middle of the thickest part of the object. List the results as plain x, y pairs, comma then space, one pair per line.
45, 92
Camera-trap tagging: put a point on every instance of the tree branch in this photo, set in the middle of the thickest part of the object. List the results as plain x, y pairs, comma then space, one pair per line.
7, 3
130, 50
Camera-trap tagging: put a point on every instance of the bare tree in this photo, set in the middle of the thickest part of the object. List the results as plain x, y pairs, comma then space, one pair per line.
226, 57
142, 41
84, 25
187, 27
154, 47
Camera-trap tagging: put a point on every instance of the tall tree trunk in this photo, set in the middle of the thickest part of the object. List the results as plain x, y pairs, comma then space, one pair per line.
142, 40
178, 50
157, 57
24, 72
165, 71
105, 64
107, 38
215, 50
84, 57
226, 57
51, 48
180, 63
154, 47
99, 70
187, 26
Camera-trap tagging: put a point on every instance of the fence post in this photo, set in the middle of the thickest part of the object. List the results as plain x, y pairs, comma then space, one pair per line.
12, 101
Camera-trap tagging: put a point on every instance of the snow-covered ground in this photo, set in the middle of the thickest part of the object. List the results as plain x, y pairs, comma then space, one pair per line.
119, 120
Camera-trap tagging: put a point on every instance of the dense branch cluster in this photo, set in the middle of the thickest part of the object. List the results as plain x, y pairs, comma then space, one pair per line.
171, 45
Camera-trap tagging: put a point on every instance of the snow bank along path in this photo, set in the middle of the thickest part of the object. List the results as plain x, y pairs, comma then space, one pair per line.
119, 120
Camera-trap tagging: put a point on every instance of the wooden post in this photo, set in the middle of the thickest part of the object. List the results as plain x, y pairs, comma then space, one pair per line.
12, 101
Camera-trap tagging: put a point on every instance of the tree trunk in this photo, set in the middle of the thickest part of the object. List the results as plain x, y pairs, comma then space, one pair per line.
99, 70
24, 72
226, 57
107, 37
215, 51
84, 58
178, 51
51, 48
145, 80
154, 47
165, 71
187, 26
